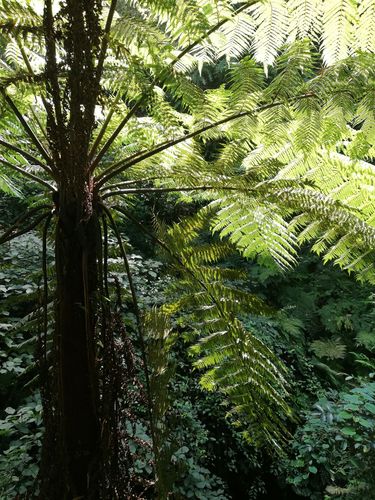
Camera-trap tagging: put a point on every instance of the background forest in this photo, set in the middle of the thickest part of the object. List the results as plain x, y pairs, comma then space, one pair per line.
322, 327
237, 255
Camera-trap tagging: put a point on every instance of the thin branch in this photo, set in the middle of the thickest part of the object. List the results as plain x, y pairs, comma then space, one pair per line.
27, 174
126, 163
26, 155
8, 237
26, 127
137, 105
137, 314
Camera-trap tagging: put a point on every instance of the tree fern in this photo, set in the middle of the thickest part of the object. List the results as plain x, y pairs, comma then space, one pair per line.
110, 110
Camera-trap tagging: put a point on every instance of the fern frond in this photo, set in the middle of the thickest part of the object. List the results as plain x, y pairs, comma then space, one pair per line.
365, 33
238, 37
18, 17
247, 81
271, 18
256, 230
234, 360
331, 349
339, 19
305, 18
245, 371
159, 341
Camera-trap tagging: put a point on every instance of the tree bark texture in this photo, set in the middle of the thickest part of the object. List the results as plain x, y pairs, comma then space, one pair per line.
77, 283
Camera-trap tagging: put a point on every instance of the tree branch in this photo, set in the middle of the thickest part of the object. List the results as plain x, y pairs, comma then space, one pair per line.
126, 163
27, 174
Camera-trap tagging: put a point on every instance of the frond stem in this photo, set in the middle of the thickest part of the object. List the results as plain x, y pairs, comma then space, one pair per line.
134, 181
36, 118
8, 236
26, 155
137, 105
172, 190
105, 257
47, 107
110, 141
175, 257
122, 165
45, 285
104, 46
27, 174
137, 314
26, 126
103, 128
52, 75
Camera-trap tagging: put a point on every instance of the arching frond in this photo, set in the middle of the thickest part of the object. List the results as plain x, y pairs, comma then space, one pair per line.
234, 360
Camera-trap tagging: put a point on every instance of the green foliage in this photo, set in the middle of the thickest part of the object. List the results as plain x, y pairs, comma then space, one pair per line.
331, 349
234, 359
21, 429
281, 156
334, 449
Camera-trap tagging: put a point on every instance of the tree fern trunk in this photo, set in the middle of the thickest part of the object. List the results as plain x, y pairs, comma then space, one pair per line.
77, 387
74, 426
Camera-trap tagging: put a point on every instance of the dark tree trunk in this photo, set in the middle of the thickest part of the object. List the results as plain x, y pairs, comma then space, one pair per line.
72, 455
77, 250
